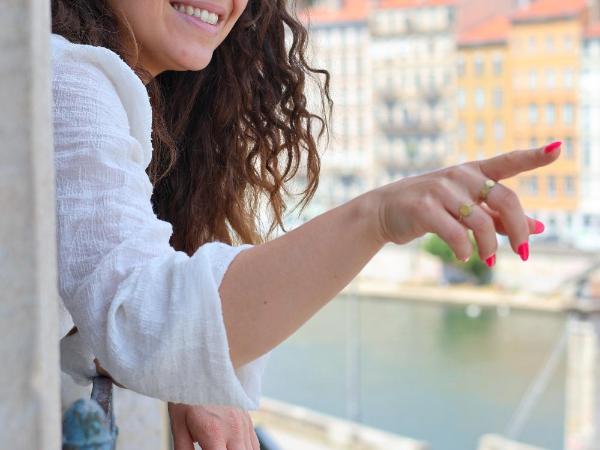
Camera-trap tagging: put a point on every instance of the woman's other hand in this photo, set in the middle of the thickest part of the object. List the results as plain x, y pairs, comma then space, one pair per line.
213, 427
432, 203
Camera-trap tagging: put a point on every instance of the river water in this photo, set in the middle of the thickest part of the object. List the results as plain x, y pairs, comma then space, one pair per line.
425, 371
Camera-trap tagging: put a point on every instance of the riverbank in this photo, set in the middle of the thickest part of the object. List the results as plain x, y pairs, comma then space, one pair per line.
462, 295
548, 282
294, 427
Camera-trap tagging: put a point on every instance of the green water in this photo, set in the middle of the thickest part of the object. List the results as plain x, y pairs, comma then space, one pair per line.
426, 371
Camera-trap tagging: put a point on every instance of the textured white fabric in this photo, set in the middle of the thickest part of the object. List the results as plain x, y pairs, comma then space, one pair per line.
151, 315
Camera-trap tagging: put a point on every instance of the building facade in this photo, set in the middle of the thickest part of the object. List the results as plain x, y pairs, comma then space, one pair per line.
546, 55
588, 232
414, 77
422, 84
484, 97
340, 43
519, 87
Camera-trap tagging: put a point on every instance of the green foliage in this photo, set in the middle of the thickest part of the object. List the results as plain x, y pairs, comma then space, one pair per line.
435, 246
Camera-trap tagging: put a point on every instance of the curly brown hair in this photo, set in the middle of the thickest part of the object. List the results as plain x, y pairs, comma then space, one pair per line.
227, 136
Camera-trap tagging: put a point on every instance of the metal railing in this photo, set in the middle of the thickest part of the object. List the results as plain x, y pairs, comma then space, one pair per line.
90, 424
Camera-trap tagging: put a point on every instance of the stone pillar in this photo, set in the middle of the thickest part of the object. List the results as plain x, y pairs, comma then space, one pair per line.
581, 415
29, 377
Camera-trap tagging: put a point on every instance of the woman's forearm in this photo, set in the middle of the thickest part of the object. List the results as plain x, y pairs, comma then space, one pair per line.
270, 290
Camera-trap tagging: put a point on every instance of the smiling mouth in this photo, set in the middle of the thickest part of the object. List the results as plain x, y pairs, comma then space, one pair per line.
199, 13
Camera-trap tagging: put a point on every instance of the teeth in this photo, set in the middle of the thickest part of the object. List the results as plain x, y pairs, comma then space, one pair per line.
202, 14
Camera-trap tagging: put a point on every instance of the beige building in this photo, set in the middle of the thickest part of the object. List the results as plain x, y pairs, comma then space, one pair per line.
414, 53
340, 43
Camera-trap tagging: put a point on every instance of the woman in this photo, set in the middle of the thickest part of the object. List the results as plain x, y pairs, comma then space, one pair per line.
162, 298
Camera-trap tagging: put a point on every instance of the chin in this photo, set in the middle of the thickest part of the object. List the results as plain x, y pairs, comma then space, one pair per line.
198, 66
194, 62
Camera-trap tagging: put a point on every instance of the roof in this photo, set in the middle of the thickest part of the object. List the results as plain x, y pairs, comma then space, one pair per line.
400, 4
490, 31
544, 10
351, 11
593, 31
470, 13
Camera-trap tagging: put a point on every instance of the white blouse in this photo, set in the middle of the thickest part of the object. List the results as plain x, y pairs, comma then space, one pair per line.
150, 314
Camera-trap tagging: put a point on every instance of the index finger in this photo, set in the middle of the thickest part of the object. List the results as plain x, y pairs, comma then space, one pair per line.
513, 163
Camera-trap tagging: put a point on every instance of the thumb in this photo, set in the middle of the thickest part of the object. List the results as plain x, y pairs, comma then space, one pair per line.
514, 163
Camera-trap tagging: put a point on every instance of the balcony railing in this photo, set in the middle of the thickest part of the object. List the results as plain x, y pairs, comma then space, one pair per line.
411, 128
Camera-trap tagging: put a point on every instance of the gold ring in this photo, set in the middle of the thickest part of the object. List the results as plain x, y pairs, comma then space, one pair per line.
465, 211
487, 187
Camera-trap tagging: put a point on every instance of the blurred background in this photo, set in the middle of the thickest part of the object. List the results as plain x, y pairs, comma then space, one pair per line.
438, 353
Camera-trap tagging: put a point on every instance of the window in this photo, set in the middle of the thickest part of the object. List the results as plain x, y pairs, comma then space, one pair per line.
568, 41
498, 98
499, 130
480, 98
532, 43
480, 131
532, 185
551, 79
551, 186
462, 132
569, 148
568, 113
569, 78
533, 113
532, 79
550, 43
460, 67
479, 67
498, 64
461, 99
550, 114
570, 186
587, 157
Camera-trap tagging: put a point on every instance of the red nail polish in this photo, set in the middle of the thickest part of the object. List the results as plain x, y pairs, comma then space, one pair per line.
491, 261
523, 251
539, 227
550, 148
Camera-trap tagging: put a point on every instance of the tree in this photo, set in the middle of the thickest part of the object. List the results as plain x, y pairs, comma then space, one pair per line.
475, 267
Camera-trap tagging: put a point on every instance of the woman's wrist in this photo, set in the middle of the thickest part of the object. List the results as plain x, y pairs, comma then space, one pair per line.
369, 209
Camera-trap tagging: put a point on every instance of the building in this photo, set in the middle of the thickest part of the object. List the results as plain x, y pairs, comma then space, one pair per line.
413, 56
546, 57
518, 88
484, 97
419, 84
340, 43
588, 233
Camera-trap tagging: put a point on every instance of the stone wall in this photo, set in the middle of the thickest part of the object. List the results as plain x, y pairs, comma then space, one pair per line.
30, 402
29, 383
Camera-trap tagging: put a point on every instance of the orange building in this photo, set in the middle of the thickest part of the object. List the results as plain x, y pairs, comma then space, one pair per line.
484, 96
545, 52
519, 84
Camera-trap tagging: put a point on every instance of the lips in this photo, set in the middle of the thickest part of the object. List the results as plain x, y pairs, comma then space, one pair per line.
214, 8
202, 14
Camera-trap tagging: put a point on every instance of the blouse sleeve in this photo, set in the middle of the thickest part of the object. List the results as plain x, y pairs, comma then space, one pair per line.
150, 314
